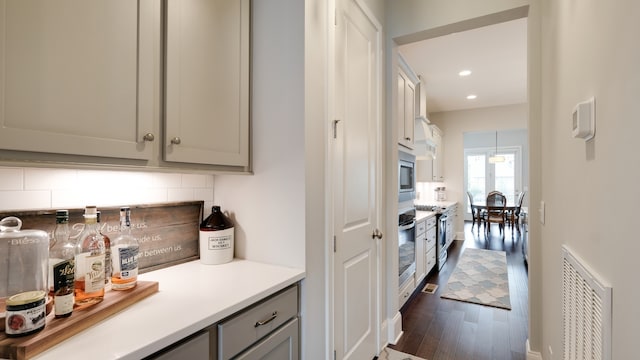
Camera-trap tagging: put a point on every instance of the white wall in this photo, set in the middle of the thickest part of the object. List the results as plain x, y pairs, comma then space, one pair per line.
47, 188
409, 20
268, 207
590, 48
454, 124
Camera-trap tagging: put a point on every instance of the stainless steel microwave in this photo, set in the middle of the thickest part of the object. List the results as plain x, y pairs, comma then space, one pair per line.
406, 176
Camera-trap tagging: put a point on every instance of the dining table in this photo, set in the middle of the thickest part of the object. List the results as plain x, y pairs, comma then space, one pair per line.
482, 205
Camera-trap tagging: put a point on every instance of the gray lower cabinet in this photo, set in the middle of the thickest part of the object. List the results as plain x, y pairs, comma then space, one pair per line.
241, 331
194, 348
281, 345
266, 330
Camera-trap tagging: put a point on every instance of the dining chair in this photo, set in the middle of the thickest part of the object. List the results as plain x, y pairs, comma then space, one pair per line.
515, 214
492, 193
496, 207
477, 214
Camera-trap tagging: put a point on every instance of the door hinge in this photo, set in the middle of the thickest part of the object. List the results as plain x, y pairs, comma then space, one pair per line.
334, 243
335, 128
334, 355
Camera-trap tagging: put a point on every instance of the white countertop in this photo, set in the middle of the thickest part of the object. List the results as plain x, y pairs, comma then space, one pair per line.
421, 215
436, 203
191, 297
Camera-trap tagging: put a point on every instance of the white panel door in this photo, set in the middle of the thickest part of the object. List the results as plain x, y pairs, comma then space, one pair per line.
356, 177
77, 77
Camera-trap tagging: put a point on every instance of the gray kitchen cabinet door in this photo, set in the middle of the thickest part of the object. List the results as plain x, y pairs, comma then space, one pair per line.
207, 82
77, 77
196, 348
283, 344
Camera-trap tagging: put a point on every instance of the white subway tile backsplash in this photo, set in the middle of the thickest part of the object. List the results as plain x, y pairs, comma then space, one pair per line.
35, 188
11, 178
19, 200
203, 194
44, 179
193, 181
163, 180
64, 199
181, 195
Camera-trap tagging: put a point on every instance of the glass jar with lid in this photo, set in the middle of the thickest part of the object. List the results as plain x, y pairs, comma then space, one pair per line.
24, 256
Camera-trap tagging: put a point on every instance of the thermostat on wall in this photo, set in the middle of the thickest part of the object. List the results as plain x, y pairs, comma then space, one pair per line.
584, 120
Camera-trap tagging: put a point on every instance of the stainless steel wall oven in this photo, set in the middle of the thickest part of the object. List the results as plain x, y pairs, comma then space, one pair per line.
406, 245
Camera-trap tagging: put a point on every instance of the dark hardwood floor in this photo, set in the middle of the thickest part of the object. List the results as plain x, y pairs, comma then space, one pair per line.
436, 328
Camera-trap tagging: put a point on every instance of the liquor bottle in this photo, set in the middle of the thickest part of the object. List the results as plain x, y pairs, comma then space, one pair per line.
62, 267
108, 267
125, 254
90, 262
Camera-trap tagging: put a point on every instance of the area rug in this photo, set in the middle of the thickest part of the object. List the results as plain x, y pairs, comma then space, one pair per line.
390, 354
480, 277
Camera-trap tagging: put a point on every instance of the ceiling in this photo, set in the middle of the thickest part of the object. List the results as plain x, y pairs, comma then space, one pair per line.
496, 55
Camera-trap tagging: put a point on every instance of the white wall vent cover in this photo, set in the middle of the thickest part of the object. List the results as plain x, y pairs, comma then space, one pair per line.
586, 311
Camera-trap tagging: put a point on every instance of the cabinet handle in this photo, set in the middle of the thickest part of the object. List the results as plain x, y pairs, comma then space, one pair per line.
176, 141
148, 137
408, 138
376, 234
265, 321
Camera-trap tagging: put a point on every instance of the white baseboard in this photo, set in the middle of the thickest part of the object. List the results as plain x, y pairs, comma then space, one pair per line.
532, 355
384, 335
395, 328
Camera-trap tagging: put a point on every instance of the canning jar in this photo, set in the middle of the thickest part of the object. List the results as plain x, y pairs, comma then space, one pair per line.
24, 256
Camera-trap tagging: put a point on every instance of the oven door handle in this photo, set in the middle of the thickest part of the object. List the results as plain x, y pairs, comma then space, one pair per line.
408, 226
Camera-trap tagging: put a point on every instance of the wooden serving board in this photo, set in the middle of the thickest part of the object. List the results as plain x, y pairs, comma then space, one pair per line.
57, 330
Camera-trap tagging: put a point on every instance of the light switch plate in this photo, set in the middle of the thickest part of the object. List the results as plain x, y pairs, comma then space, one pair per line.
541, 210
584, 120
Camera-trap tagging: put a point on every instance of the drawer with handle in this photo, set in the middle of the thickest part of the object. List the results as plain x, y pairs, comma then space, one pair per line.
431, 222
421, 227
431, 259
245, 328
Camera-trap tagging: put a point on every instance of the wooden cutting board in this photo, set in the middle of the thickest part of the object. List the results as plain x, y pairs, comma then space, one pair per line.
57, 330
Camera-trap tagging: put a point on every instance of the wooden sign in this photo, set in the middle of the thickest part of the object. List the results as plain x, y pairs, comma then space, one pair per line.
168, 233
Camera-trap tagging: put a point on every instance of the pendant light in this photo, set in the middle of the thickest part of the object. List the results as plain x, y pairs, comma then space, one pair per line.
496, 158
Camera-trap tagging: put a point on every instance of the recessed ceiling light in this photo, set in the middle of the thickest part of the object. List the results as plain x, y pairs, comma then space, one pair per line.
465, 73
471, 97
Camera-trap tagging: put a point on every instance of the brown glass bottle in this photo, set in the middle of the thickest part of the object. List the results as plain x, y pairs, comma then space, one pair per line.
216, 238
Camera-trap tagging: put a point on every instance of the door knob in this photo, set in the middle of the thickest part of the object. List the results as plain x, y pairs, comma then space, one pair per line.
148, 137
376, 234
176, 141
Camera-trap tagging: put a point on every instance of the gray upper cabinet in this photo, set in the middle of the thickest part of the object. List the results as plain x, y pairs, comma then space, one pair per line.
147, 83
75, 77
207, 82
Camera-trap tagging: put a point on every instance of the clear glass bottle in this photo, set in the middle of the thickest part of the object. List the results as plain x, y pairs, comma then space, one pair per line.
90, 262
108, 267
125, 254
62, 266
